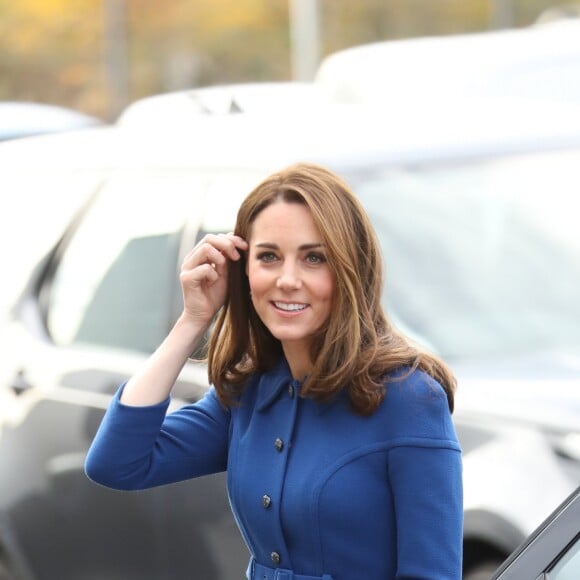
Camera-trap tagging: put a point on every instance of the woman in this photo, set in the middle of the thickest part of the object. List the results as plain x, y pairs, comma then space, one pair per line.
336, 433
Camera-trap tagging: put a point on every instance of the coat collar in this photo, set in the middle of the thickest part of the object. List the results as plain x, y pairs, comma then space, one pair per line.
272, 383
276, 381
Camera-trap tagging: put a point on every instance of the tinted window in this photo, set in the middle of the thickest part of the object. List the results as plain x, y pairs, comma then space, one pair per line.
568, 567
116, 282
482, 258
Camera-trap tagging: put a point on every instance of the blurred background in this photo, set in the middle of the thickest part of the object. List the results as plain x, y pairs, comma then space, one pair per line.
96, 56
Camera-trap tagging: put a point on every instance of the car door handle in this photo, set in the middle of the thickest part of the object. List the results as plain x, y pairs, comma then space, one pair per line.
20, 383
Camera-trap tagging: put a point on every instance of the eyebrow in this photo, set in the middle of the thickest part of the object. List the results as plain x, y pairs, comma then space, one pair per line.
302, 247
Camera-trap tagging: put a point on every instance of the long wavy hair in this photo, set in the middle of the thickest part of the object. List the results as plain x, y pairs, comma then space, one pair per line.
357, 346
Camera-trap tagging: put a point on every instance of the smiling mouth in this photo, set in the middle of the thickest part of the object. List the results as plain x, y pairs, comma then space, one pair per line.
290, 307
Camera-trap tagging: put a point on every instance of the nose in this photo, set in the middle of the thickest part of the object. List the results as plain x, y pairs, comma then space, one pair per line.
289, 278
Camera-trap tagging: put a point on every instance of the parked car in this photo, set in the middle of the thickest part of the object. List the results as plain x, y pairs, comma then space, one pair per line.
540, 62
552, 551
20, 119
475, 207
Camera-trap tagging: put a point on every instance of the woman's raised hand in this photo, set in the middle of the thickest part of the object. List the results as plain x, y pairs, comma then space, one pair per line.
204, 274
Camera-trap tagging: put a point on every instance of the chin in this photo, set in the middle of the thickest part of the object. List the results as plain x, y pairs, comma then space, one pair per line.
289, 337
285, 333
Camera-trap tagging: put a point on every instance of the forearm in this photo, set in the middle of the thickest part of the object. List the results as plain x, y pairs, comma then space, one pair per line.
153, 383
142, 447
429, 517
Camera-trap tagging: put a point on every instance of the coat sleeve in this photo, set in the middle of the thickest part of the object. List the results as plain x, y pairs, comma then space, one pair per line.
143, 447
425, 472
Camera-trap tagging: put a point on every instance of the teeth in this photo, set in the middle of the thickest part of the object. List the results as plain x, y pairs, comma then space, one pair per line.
289, 307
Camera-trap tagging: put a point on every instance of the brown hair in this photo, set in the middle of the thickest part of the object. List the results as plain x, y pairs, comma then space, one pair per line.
357, 346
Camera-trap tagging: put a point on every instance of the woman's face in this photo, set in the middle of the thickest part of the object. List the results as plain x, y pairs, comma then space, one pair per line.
291, 282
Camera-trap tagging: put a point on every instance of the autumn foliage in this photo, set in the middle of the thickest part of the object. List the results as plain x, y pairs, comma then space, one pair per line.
98, 55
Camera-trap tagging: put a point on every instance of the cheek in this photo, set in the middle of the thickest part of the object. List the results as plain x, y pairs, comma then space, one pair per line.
257, 280
327, 288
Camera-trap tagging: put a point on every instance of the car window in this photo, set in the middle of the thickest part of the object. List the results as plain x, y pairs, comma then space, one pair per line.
115, 284
482, 258
568, 566
35, 208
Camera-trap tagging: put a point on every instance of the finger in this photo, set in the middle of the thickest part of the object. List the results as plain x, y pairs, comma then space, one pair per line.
204, 273
203, 253
227, 245
239, 242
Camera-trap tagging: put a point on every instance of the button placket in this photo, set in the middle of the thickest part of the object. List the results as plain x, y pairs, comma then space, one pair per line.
282, 446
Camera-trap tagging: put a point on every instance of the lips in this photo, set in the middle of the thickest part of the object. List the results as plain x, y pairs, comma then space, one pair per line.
290, 306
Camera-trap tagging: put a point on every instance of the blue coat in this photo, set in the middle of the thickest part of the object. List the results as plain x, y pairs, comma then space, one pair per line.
316, 490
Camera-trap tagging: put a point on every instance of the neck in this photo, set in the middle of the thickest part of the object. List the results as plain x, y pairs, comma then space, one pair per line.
298, 357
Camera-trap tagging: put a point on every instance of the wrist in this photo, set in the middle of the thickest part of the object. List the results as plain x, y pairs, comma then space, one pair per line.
191, 326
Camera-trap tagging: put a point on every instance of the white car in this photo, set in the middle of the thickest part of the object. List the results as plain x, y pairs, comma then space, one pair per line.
539, 62
476, 209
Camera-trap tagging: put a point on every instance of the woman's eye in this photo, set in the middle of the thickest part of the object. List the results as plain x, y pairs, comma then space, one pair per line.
315, 258
266, 256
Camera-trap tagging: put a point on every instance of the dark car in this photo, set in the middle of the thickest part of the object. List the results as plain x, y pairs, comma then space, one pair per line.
552, 552
477, 224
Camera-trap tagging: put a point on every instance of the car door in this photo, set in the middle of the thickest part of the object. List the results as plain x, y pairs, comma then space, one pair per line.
100, 303
552, 552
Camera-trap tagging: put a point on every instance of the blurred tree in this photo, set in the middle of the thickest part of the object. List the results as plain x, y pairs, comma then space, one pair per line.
349, 23
49, 52
55, 50
197, 42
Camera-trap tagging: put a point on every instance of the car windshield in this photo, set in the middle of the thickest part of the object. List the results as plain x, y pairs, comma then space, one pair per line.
482, 258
